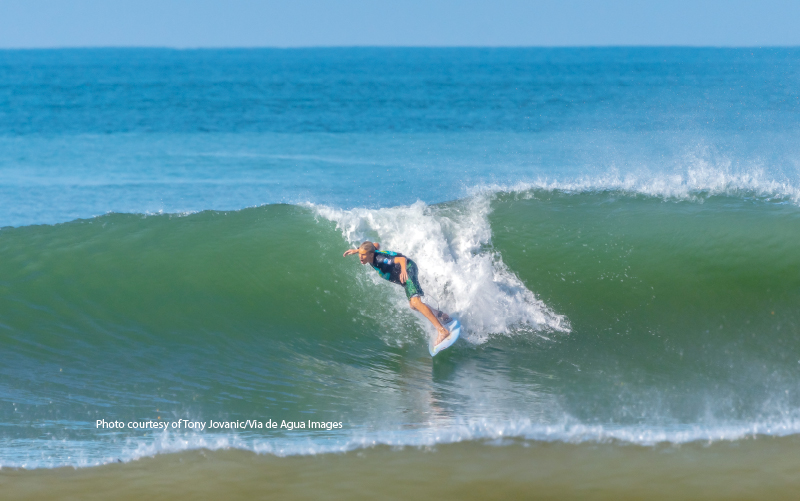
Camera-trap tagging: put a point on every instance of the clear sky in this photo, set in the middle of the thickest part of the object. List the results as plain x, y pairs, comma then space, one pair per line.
303, 23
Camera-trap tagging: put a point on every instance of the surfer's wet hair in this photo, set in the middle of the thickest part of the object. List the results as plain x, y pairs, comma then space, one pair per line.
367, 246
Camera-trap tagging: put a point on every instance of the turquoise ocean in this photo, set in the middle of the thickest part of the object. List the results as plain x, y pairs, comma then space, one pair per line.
618, 230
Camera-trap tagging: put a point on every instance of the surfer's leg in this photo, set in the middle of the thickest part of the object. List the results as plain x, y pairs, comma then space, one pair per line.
417, 304
443, 317
414, 294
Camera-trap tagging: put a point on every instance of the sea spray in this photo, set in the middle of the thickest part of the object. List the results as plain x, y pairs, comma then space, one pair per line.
460, 271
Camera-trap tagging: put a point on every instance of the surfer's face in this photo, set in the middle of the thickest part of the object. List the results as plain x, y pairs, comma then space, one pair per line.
364, 256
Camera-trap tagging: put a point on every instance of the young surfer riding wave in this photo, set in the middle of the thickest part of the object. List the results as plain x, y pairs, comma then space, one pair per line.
402, 271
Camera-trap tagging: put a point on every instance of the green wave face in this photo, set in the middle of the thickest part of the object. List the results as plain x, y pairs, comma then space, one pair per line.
244, 275
639, 316
694, 302
209, 315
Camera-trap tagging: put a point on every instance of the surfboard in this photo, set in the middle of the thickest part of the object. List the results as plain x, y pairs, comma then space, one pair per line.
455, 330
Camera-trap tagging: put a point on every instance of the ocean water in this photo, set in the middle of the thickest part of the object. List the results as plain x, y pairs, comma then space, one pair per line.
617, 229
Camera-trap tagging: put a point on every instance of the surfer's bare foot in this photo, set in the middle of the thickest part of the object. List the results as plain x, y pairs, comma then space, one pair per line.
443, 334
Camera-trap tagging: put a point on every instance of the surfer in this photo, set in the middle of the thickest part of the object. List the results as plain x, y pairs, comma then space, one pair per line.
402, 271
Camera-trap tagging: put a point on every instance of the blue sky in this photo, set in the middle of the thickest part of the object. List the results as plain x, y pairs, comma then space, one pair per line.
304, 23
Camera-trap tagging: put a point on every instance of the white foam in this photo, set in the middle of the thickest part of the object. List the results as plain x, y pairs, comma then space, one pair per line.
567, 430
57, 453
459, 270
50, 453
694, 177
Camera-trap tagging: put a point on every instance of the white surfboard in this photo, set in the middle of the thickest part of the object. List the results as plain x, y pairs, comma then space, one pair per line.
455, 330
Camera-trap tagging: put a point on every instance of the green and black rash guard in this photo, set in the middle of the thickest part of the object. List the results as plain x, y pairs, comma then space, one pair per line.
385, 264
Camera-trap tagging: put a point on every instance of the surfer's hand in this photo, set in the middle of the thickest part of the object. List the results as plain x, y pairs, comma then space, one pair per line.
348, 252
403, 275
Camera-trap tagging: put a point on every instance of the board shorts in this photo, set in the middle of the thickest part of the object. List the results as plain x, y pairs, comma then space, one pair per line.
412, 286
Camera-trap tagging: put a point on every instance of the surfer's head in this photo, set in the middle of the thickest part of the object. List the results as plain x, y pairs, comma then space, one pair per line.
366, 252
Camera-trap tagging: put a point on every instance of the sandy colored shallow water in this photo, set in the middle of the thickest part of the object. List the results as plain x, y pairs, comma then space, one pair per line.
762, 468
